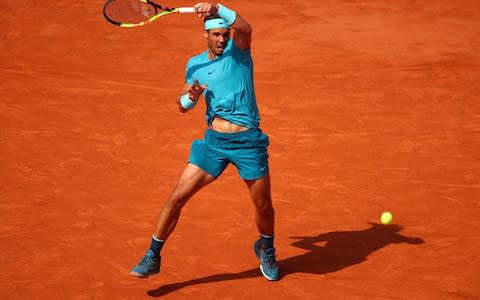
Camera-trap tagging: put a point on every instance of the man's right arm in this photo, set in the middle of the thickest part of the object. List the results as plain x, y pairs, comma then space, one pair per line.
242, 36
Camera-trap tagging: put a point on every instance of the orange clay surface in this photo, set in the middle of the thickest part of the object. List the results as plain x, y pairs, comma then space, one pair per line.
370, 106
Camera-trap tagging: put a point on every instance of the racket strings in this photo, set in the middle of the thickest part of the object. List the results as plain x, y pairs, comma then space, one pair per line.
129, 11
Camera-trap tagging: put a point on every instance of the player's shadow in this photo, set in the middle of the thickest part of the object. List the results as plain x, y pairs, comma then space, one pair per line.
327, 252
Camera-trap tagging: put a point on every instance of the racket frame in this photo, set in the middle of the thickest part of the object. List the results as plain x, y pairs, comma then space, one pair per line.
163, 11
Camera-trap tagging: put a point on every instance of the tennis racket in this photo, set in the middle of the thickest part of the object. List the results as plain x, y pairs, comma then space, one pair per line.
133, 13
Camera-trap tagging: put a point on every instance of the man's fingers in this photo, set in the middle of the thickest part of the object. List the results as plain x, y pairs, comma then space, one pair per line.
196, 86
196, 90
204, 9
200, 9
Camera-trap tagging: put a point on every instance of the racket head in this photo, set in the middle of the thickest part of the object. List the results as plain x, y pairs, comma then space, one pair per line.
132, 13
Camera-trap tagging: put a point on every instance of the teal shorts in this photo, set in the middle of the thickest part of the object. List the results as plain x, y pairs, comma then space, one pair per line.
246, 150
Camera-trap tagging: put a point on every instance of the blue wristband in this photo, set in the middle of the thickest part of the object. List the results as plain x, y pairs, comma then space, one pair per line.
186, 103
227, 14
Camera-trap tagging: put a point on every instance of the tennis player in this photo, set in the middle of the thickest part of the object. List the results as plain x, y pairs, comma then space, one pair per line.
223, 74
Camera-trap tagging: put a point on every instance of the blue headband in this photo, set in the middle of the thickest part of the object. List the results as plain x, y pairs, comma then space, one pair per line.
216, 23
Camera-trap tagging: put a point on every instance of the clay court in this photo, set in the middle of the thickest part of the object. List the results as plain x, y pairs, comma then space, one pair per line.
370, 106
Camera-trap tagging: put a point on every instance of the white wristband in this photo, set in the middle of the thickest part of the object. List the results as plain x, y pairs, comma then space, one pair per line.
186, 103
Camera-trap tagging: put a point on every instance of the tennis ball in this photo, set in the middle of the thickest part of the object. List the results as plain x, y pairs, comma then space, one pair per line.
386, 217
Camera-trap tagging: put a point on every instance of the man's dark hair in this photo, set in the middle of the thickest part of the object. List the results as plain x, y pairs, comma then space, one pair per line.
210, 17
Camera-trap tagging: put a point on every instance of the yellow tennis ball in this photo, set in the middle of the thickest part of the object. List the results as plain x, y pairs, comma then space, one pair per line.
386, 217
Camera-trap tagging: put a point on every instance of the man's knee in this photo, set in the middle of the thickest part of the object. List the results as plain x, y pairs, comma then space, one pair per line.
176, 202
264, 207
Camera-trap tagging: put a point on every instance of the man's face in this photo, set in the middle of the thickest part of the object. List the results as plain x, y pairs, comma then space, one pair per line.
217, 39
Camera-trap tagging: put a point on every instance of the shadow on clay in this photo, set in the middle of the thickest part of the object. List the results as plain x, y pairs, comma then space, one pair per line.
327, 252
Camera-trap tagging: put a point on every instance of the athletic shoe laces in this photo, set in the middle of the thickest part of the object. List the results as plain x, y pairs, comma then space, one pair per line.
269, 257
147, 261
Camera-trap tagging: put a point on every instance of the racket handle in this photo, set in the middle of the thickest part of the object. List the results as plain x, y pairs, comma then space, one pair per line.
187, 10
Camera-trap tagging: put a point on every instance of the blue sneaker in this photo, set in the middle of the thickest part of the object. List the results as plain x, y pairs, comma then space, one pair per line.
268, 263
149, 265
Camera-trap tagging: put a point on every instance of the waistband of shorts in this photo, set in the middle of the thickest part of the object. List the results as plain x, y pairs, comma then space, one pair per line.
233, 134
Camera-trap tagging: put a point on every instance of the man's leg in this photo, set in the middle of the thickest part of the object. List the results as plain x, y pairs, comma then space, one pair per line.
191, 181
264, 212
265, 220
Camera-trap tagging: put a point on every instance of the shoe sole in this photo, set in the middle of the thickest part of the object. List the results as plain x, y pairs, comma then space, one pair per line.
266, 276
140, 275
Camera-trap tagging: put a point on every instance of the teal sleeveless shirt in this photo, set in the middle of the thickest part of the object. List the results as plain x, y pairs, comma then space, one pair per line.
230, 94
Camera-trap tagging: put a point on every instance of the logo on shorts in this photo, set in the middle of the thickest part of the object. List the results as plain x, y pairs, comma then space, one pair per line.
211, 72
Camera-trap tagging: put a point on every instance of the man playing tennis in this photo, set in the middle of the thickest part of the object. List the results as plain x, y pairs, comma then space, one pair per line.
223, 74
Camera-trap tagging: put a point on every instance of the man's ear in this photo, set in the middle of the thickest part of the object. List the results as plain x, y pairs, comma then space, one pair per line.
205, 34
